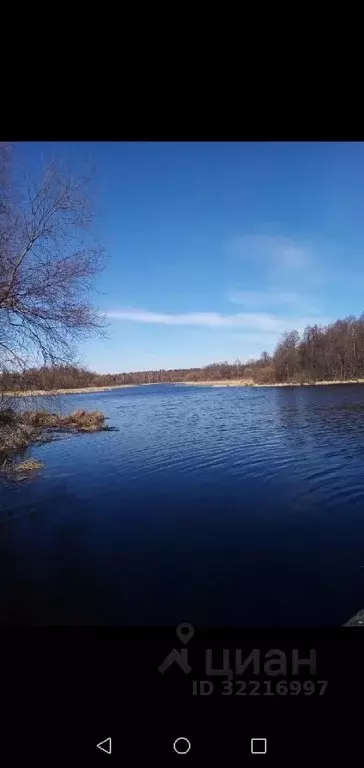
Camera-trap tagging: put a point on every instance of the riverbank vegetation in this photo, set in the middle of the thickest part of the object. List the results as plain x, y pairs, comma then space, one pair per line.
79, 391
321, 354
19, 429
252, 383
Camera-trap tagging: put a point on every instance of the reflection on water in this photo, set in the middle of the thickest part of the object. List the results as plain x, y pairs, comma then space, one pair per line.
215, 506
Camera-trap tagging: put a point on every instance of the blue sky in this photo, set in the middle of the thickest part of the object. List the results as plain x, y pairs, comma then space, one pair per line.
216, 248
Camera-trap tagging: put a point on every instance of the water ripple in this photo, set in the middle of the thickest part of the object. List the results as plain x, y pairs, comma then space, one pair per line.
258, 492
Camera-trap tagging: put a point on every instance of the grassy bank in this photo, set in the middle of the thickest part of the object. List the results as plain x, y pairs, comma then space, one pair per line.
251, 383
208, 383
222, 383
19, 430
49, 392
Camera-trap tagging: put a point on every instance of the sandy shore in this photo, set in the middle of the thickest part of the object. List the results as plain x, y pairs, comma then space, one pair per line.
81, 391
250, 383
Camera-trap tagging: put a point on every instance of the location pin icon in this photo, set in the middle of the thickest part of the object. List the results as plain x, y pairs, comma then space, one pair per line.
184, 632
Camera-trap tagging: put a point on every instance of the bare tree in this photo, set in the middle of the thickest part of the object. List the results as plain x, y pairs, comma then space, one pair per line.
286, 357
265, 358
48, 260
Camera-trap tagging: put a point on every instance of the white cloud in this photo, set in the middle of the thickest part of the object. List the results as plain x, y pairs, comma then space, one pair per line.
258, 321
208, 319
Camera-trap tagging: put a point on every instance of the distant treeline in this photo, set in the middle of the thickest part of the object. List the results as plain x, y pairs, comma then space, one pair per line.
321, 353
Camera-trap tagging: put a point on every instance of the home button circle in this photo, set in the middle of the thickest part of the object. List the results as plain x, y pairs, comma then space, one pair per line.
181, 745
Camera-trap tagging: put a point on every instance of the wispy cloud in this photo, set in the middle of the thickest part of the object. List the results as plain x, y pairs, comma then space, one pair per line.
274, 300
208, 319
289, 274
251, 321
279, 299
276, 253
268, 298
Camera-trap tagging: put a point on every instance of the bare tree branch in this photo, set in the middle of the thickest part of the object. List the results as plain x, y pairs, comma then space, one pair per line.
48, 261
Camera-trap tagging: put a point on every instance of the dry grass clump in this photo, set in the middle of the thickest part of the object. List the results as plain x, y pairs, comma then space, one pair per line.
18, 430
28, 465
14, 438
7, 416
87, 421
83, 421
40, 419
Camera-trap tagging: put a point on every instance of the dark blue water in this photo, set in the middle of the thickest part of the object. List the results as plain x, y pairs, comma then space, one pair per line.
213, 506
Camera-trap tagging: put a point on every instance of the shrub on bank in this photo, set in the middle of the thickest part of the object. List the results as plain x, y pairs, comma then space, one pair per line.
79, 419
19, 430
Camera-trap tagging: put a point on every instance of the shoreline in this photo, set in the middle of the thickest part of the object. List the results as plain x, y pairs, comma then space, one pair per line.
249, 383
209, 383
77, 391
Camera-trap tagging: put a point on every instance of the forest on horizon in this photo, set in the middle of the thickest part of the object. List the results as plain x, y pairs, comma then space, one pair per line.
321, 353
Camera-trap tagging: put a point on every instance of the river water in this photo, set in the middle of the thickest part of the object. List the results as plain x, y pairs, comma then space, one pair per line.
224, 506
